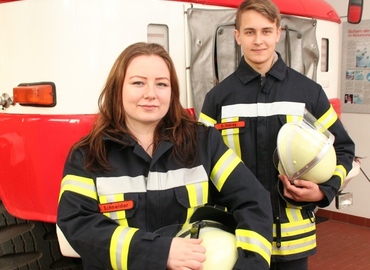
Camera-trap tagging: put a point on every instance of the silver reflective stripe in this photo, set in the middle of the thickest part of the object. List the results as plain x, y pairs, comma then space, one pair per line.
293, 213
341, 172
263, 109
205, 119
176, 178
78, 184
110, 198
329, 118
155, 181
229, 132
294, 118
120, 184
229, 161
113, 214
296, 246
294, 230
200, 195
119, 246
255, 243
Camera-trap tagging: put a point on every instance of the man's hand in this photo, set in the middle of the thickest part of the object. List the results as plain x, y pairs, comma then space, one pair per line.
301, 190
186, 254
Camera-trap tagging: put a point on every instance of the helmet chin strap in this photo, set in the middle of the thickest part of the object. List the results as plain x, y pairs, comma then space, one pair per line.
198, 225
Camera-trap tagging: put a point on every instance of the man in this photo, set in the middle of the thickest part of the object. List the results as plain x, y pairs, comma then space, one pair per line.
249, 108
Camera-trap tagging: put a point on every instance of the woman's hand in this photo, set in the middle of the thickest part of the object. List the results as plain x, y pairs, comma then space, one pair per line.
301, 190
186, 254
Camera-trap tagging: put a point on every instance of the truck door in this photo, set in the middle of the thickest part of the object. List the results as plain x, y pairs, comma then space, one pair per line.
215, 53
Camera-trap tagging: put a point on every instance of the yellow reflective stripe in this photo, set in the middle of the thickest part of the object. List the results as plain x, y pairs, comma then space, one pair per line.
223, 168
295, 246
295, 228
205, 119
341, 172
294, 207
192, 195
205, 186
81, 185
252, 241
293, 118
104, 199
293, 214
119, 246
289, 118
123, 222
237, 148
233, 142
328, 118
119, 214
188, 215
198, 193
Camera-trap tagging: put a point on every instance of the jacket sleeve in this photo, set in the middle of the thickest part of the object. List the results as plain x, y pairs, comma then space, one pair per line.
343, 144
236, 188
208, 114
100, 241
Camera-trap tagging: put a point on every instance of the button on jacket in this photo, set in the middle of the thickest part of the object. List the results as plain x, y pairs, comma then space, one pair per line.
249, 111
110, 219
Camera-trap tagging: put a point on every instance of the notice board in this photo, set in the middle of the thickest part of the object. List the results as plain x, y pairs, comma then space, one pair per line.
355, 81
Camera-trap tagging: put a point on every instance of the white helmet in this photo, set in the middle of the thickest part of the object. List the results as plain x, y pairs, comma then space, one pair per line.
216, 227
221, 251
305, 151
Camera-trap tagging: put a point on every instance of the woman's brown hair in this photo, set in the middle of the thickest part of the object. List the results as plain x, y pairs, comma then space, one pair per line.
177, 126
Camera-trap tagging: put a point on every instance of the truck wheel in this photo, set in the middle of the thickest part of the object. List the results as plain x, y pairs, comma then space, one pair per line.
29, 245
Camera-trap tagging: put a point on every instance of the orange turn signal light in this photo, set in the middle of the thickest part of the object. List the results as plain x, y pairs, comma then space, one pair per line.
35, 94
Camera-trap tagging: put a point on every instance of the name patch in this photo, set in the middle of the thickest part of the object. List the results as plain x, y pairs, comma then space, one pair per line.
237, 124
117, 206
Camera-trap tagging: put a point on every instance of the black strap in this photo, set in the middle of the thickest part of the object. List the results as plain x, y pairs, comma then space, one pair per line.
194, 231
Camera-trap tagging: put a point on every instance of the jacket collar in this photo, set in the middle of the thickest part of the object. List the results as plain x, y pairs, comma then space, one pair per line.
163, 146
246, 73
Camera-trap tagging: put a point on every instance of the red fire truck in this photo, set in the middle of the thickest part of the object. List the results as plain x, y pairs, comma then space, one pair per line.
54, 58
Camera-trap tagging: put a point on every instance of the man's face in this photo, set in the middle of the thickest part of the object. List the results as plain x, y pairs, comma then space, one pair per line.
257, 37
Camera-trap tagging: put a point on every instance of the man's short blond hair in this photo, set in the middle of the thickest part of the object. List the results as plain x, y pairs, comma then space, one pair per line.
267, 8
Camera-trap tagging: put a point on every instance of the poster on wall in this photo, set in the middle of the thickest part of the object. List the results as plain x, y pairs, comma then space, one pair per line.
355, 92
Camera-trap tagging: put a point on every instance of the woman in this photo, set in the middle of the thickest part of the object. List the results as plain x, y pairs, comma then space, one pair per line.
147, 164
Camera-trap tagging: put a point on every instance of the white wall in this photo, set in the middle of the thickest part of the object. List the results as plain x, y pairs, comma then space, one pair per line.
358, 127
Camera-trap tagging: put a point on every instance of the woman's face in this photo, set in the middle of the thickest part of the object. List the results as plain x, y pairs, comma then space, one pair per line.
146, 91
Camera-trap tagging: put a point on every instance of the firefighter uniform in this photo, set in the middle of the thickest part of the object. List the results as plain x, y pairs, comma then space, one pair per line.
249, 111
110, 219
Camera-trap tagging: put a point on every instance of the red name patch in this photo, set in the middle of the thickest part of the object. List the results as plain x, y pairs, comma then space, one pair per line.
117, 206
237, 124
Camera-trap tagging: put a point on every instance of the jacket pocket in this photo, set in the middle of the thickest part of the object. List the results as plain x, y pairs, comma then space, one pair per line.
192, 196
118, 207
233, 126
